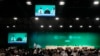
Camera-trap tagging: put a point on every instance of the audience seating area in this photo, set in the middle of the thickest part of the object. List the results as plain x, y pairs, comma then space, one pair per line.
17, 51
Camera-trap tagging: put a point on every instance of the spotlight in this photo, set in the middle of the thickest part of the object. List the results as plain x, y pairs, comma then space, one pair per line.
15, 18
90, 26
36, 18
13, 26
29, 3
70, 26
97, 19
8, 26
96, 2
61, 26
57, 18
77, 18
81, 26
61, 3
50, 26
42, 26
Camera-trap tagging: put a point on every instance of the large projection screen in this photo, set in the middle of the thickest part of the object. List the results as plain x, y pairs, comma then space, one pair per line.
17, 38
45, 10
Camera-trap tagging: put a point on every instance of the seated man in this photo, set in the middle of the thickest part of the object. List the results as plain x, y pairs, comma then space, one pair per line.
40, 11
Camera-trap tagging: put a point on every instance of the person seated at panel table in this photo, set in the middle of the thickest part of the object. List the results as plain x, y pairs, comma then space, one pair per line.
53, 11
40, 11
13, 38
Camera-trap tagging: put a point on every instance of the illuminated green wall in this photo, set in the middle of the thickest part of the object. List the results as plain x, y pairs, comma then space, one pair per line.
65, 38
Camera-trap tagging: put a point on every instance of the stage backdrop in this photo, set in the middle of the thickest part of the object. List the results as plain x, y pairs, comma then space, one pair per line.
43, 39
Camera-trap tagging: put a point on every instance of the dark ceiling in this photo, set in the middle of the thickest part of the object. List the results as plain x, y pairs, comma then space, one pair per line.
10, 8
73, 8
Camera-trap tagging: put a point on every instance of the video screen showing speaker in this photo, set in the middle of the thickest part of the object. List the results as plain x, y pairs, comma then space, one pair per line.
45, 10
18, 38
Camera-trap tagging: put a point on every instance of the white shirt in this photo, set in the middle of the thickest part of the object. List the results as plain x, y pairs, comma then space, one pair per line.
40, 11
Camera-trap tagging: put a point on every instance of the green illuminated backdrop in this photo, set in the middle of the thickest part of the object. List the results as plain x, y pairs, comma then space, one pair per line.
65, 38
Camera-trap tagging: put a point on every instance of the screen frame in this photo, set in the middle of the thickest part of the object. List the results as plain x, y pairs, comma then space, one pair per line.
45, 5
16, 42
